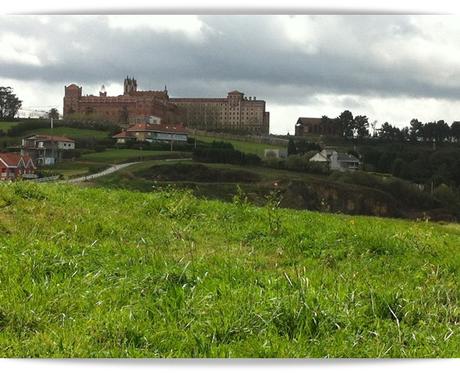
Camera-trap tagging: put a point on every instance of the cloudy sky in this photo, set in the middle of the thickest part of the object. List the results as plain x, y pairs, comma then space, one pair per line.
390, 68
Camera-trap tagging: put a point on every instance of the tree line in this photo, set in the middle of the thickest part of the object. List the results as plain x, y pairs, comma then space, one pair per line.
359, 127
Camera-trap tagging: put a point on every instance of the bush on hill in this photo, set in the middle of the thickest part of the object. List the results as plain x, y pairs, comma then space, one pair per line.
299, 163
225, 155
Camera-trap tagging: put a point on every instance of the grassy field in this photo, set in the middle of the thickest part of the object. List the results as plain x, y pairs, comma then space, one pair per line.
129, 274
5, 126
74, 133
124, 155
69, 169
244, 146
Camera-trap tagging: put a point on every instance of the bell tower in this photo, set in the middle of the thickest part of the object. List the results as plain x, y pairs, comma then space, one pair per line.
130, 85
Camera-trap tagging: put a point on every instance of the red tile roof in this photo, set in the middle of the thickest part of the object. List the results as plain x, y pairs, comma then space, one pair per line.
170, 128
145, 127
139, 127
51, 138
10, 159
121, 135
13, 159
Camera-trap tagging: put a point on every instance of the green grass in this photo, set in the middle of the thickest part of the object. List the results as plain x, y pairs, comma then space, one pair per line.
5, 126
74, 133
88, 272
244, 146
124, 155
69, 169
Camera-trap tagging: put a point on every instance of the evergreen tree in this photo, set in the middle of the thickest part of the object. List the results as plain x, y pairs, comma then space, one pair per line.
291, 147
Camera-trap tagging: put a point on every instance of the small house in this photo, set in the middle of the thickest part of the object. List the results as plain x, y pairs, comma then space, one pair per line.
153, 133
337, 161
15, 165
46, 149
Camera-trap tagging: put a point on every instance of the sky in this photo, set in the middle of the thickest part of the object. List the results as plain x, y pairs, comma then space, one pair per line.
391, 68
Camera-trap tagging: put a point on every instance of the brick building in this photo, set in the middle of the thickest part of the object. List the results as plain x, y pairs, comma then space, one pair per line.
235, 112
316, 126
132, 107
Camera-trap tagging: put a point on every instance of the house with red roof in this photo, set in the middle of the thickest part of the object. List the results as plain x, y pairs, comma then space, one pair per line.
15, 165
153, 133
46, 149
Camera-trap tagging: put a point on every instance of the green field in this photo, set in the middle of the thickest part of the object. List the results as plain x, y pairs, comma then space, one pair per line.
124, 155
73, 133
70, 169
164, 274
244, 146
5, 126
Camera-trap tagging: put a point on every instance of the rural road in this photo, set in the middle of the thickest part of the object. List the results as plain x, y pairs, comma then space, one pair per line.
113, 169
108, 171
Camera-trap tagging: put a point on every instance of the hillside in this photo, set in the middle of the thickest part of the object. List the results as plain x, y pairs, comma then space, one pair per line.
88, 272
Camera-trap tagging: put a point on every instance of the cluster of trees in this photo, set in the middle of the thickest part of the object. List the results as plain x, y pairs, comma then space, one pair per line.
302, 146
359, 127
9, 103
418, 165
299, 163
438, 131
348, 126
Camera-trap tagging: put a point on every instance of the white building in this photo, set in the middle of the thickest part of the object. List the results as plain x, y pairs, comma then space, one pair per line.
337, 161
153, 133
45, 149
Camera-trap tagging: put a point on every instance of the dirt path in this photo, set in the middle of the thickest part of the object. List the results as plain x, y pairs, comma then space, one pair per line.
113, 169
107, 171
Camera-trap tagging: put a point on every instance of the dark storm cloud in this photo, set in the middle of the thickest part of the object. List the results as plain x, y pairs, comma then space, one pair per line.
251, 54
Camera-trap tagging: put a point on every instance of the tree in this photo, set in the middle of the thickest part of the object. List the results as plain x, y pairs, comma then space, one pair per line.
346, 123
455, 131
361, 125
9, 103
387, 132
53, 114
441, 131
291, 147
415, 131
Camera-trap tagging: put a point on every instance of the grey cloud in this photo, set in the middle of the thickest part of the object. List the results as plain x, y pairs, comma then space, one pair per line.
235, 52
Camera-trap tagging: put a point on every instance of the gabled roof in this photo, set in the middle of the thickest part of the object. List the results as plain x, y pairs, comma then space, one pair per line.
344, 157
13, 160
165, 128
28, 161
169, 128
50, 138
308, 121
10, 159
139, 127
235, 92
122, 135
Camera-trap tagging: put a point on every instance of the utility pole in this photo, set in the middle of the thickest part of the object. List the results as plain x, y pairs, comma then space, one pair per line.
52, 141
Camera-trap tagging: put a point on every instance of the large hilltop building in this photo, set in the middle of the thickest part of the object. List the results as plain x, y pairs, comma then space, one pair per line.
234, 112
132, 107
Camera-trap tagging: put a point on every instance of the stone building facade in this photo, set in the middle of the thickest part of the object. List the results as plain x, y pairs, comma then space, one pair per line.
234, 112
132, 107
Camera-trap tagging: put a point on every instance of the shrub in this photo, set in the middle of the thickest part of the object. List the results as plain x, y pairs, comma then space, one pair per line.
224, 155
